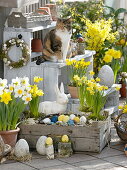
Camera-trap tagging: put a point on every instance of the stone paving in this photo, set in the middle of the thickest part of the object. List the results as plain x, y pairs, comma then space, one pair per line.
111, 158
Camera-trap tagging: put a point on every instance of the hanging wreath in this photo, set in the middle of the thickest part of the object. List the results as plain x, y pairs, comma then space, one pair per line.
25, 53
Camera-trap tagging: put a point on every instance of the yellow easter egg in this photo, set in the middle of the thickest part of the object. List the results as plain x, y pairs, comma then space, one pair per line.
65, 139
76, 119
65, 119
60, 118
49, 141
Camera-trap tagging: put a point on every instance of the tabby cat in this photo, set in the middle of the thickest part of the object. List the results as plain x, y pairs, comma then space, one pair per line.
56, 42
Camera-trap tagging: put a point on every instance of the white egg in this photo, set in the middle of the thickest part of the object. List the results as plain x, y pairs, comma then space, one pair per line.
83, 119
21, 148
106, 76
72, 116
47, 121
40, 145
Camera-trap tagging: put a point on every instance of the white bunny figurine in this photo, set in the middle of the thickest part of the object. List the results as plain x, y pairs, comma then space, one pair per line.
58, 106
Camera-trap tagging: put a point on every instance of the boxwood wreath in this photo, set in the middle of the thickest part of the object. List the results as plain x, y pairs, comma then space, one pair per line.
25, 53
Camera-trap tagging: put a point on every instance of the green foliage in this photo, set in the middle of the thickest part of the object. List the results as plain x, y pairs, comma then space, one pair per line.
9, 114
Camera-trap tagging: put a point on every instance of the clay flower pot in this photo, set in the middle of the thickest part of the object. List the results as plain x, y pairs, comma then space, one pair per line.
10, 136
36, 45
123, 90
45, 11
73, 92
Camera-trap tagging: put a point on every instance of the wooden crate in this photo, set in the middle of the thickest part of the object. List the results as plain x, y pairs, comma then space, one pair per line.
84, 138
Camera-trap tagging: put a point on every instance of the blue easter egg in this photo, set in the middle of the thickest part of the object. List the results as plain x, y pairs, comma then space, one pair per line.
79, 35
70, 122
54, 119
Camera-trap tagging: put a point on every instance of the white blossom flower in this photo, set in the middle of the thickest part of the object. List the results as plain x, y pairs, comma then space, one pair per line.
20, 45
10, 41
11, 87
8, 62
16, 82
3, 83
19, 91
27, 98
24, 81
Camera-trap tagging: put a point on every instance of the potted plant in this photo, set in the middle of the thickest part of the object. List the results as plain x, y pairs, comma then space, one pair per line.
78, 68
14, 98
91, 96
36, 93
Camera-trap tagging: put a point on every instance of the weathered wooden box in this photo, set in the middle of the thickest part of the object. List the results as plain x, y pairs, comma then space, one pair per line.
84, 138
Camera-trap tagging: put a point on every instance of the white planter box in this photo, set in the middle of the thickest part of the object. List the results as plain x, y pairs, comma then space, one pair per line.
17, 3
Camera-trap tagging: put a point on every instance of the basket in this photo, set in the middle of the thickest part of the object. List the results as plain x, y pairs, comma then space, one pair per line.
120, 128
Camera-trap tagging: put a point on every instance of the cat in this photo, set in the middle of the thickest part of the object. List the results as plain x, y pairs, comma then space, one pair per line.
56, 42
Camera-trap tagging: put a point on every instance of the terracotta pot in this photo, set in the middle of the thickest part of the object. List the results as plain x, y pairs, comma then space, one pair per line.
73, 92
36, 45
45, 11
10, 136
123, 90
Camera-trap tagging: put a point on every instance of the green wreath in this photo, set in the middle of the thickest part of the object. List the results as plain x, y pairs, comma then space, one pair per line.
25, 53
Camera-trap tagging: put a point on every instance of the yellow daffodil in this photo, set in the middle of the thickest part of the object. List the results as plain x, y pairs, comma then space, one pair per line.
76, 78
98, 79
91, 73
6, 97
37, 79
120, 107
117, 55
39, 93
108, 58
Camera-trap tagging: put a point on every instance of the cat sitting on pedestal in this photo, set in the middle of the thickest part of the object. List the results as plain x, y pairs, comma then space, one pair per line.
56, 42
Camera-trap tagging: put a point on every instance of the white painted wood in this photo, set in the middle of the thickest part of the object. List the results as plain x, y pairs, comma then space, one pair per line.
16, 3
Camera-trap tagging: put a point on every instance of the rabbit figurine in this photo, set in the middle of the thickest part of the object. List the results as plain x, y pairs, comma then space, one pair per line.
55, 107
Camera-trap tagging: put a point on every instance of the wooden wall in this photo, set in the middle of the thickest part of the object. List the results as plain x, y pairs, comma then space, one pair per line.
4, 12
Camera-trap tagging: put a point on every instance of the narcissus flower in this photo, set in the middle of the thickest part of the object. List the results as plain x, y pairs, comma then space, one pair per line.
6, 97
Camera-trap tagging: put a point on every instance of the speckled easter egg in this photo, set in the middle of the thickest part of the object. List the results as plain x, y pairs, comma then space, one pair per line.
54, 119
40, 145
106, 76
21, 148
83, 119
72, 116
70, 122
65, 119
65, 139
47, 121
